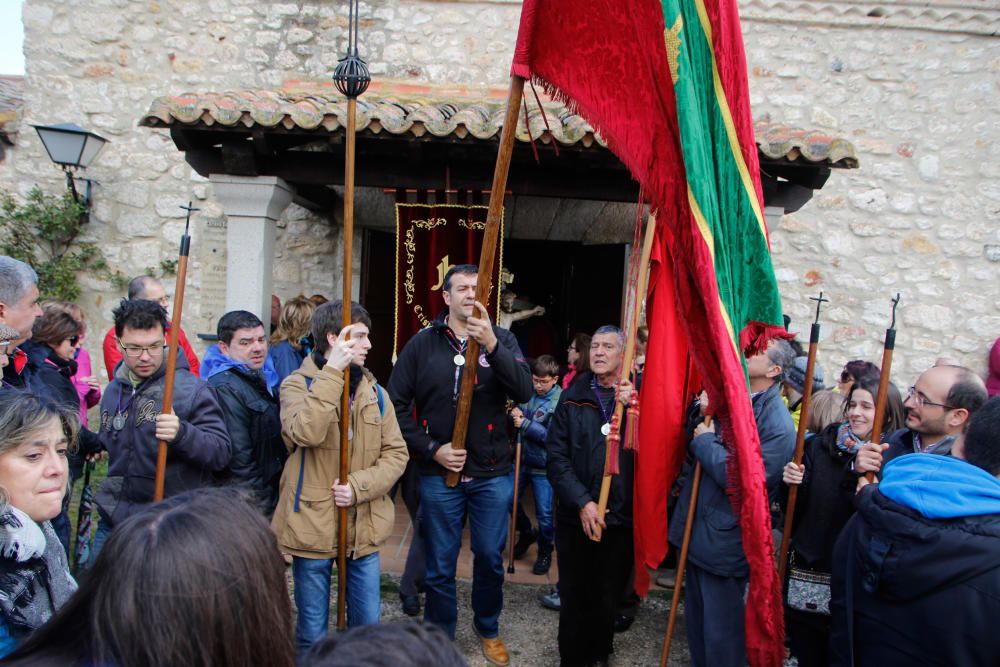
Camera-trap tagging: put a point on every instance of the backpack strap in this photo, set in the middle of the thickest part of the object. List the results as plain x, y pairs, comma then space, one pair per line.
380, 397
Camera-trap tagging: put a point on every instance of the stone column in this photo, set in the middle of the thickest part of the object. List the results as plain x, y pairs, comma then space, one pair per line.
252, 205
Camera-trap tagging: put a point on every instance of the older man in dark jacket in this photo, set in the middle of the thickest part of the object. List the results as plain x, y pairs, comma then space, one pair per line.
916, 574
592, 574
717, 570
133, 421
246, 385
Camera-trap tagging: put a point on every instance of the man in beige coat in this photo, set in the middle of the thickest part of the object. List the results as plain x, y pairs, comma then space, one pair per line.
310, 493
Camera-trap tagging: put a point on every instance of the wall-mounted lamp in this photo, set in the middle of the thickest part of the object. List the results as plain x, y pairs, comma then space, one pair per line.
72, 148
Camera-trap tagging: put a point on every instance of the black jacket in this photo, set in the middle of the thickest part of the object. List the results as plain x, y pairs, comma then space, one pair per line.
716, 541
424, 378
926, 592
576, 449
251, 415
50, 375
825, 500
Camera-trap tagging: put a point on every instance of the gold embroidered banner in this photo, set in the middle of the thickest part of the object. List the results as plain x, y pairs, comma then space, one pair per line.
431, 239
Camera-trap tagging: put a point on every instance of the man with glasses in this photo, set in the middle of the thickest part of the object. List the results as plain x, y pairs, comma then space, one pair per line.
151, 289
132, 421
937, 407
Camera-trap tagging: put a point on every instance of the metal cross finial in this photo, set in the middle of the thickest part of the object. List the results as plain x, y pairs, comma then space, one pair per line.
819, 303
190, 209
895, 302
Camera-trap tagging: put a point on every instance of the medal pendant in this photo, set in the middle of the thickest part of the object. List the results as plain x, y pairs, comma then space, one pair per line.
118, 423
459, 360
606, 429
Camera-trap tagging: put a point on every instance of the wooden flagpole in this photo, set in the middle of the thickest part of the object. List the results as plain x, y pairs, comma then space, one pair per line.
486, 257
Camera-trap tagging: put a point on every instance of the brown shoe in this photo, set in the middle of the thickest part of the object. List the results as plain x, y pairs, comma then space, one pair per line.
495, 651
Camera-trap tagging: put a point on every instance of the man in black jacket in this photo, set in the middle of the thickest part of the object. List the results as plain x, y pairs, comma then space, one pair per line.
424, 390
717, 571
247, 388
916, 577
592, 575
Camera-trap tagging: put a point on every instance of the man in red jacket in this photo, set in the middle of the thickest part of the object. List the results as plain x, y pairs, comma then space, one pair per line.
150, 289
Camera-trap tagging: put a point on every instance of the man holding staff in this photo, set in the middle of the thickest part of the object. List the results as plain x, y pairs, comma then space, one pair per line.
592, 574
424, 387
717, 571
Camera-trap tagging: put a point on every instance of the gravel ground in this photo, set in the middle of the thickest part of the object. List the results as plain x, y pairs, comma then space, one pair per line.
529, 630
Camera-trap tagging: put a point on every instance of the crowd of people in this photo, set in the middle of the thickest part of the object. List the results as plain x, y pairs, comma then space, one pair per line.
890, 572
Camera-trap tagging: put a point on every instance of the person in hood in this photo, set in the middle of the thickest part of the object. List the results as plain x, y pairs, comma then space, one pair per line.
938, 407
916, 577
133, 421
246, 385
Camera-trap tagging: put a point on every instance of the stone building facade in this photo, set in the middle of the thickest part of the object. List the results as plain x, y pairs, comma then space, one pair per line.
911, 83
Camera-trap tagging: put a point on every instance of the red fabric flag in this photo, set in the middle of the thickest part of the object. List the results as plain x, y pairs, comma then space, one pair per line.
665, 84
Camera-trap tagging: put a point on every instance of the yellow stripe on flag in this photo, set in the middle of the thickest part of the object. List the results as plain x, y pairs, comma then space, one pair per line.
727, 117
707, 236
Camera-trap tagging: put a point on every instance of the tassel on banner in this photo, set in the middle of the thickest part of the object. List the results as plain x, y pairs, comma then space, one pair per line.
632, 424
614, 466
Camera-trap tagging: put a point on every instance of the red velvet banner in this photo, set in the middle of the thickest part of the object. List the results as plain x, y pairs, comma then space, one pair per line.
430, 239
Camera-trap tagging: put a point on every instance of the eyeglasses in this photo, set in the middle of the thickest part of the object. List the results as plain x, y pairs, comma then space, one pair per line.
922, 400
135, 351
74, 340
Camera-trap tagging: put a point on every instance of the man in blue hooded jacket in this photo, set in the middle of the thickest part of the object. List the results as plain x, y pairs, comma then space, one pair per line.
246, 385
916, 576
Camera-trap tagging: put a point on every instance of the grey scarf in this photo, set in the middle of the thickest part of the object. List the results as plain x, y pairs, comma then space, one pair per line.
34, 572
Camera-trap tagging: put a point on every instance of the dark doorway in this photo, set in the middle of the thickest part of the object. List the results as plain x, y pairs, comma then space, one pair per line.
580, 287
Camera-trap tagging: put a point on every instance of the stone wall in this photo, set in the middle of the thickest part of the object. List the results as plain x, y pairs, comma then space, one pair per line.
919, 217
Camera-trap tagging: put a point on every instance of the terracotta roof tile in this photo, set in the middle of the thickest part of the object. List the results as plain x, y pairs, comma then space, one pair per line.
442, 111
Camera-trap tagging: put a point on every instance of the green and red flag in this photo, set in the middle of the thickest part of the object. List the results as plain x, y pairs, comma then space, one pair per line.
665, 85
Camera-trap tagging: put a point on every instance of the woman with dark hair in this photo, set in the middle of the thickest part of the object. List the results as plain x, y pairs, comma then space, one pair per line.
35, 435
578, 356
194, 581
827, 483
88, 388
854, 371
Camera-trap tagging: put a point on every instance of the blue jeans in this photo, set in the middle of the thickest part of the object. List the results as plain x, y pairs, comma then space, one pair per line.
312, 595
443, 510
542, 490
